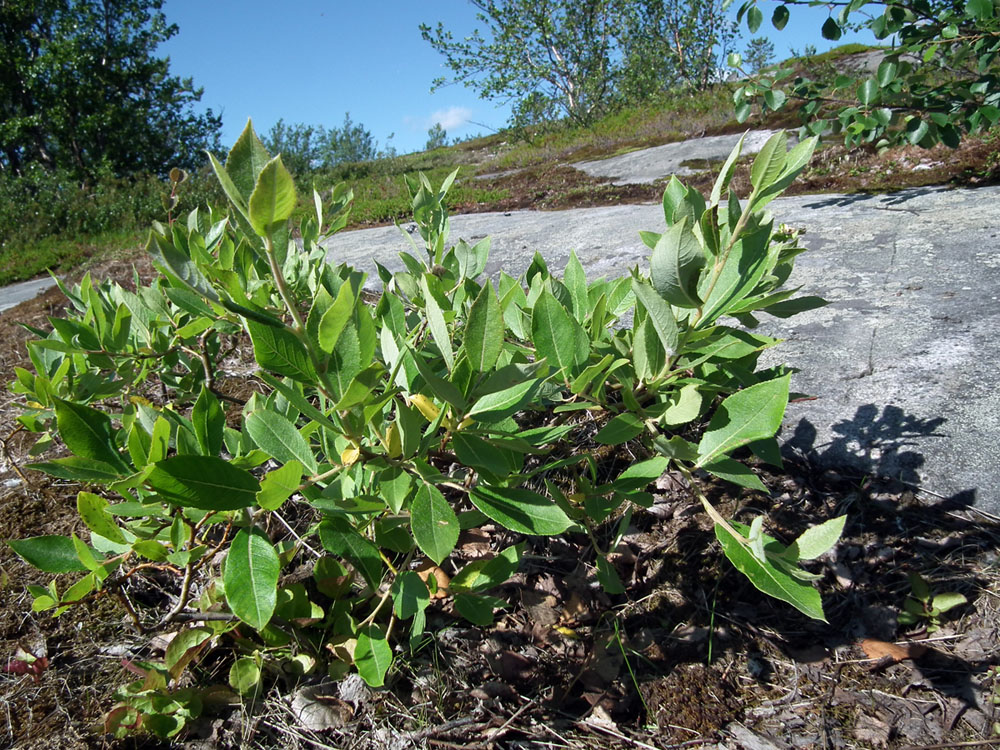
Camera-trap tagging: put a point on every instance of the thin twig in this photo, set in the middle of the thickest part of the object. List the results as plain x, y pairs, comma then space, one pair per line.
298, 538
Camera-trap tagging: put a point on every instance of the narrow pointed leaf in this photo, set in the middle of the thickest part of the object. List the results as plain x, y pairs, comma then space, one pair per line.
88, 433
437, 325
484, 330
557, 336
817, 540
276, 435
273, 198
660, 315
334, 320
768, 578
748, 415
279, 350
204, 482
675, 266
50, 554
521, 510
245, 161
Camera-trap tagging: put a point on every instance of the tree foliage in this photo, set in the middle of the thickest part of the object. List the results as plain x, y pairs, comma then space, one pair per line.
937, 82
304, 148
81, 88
578, 58
437, 137
670, 43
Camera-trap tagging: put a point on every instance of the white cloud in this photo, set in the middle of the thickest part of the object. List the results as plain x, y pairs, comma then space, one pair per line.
451, 118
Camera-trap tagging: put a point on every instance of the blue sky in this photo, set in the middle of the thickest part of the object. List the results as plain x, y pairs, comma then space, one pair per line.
311, 61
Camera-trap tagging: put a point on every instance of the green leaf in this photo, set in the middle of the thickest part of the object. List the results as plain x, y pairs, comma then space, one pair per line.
780, 17
475, 452
887, 70
768, 578
273, 197
203, 482
409, 595
619, 429
981, 10
868, 92
372, 656
434, 524
93, 511
480, 575
831, 29
246, 160
685, 408
338, 536
726, 173
228, 186
79, 469
575, 279
639, 476
755, 17
660, 315
608, 576
394, 487
208, 420
495, 406
183, 648
675, 266
276, 435
88, 433
476, 608
484, 330
280, 350
769, 162
948, 600
244, 675
557, 336
521, 510
746, 416
817, 540
50, 554
332, 323
733, 471
279, 484
436, 323
250, 575
775, 99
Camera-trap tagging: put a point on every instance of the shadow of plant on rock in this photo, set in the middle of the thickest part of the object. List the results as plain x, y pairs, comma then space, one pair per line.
873, 443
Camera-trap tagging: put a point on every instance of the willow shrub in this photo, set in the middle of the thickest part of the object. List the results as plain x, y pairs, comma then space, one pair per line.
454, 401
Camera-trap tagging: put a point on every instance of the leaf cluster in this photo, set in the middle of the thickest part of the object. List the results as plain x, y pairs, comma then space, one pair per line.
937, 83
385, 426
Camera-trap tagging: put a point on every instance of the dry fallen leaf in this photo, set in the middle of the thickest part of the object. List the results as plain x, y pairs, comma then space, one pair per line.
426, 570
881, 650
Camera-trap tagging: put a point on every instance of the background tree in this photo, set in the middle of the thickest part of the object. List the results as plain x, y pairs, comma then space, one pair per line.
670, 43
555, 55
938, 82
81, 88
759, 53
437, 137
305, 148
351, 142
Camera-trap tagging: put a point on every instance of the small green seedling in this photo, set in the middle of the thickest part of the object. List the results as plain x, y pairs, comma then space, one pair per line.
923, 605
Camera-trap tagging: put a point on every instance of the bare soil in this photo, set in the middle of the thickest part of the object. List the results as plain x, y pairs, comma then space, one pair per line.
689, 656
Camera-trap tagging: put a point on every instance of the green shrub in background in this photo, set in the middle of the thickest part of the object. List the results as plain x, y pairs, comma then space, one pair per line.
381, 431
46, 214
